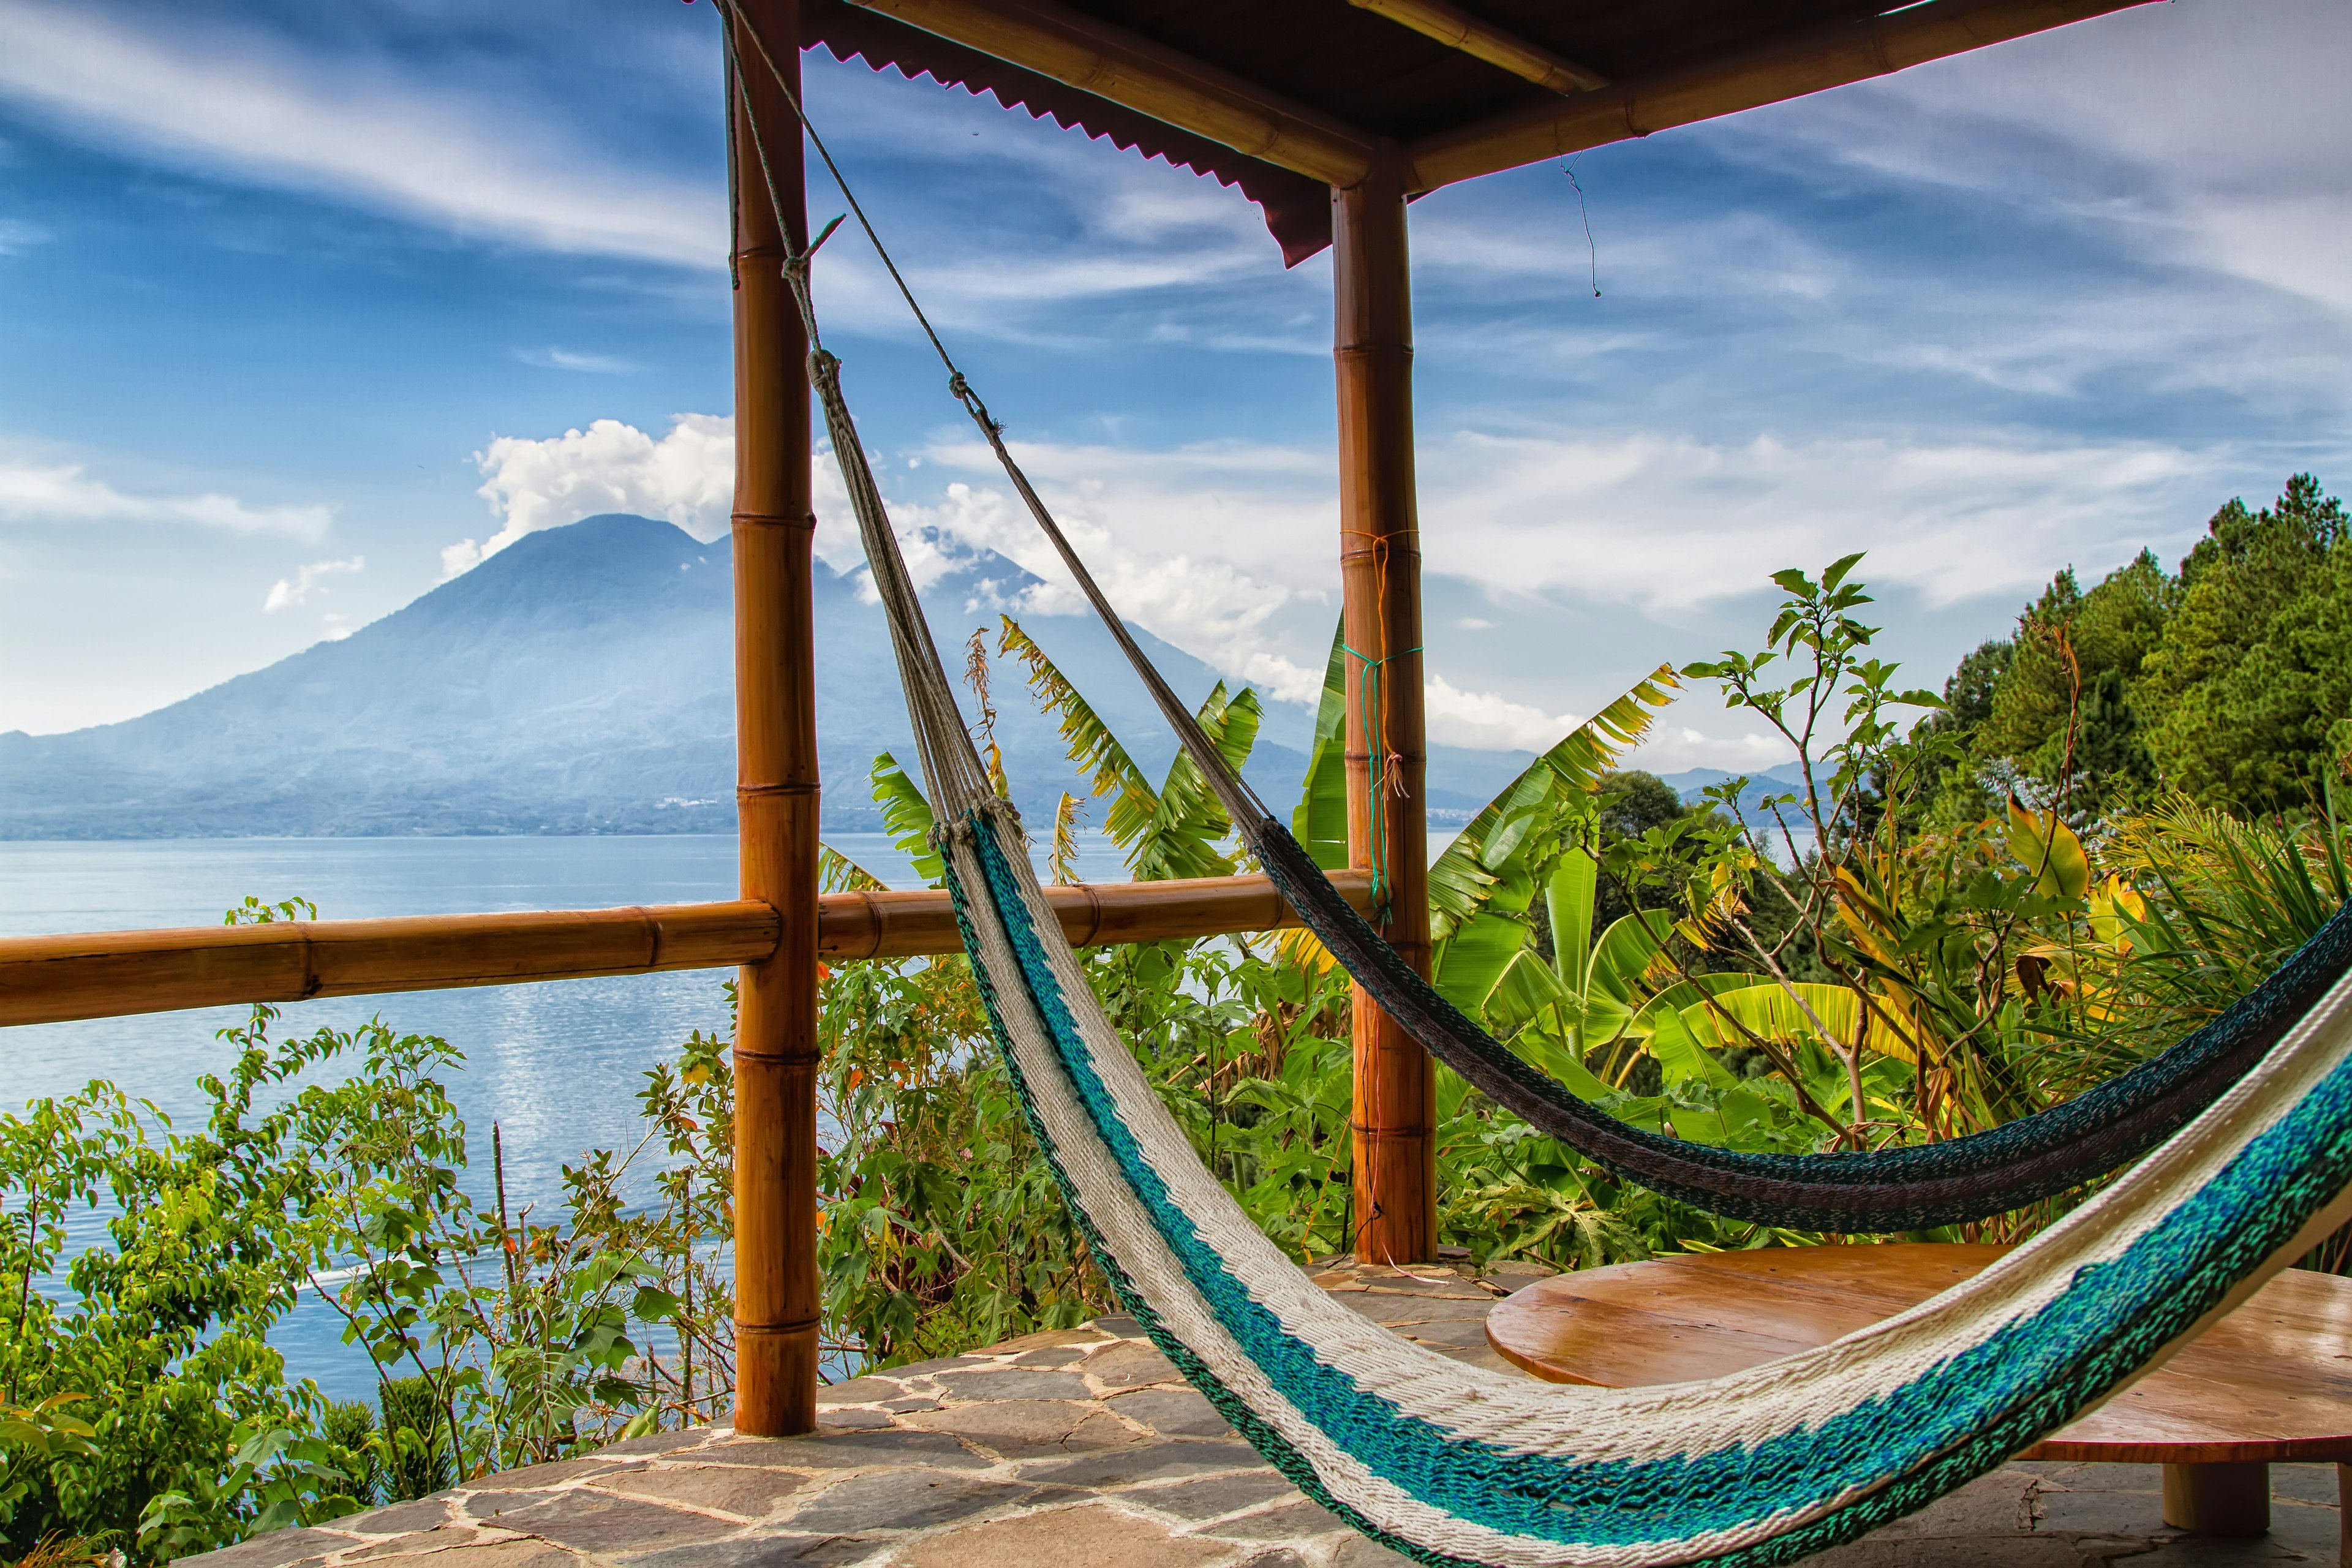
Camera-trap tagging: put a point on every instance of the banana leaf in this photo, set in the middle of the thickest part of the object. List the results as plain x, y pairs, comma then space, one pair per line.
1568, 903
1089, 741
907, 818
1770, 1013
1321, 823
1681, 1052
2044, 845
1460, 877
837, 873
1625, 952
1182, 836
1170, 832
1467, 965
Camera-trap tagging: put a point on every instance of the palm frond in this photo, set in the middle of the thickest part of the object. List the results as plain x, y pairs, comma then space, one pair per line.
1459, 879
1183, 836
1089, 741
1062, 863
837, 873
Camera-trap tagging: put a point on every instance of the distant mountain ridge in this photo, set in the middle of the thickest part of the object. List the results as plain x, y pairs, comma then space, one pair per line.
1692, 784
582, 680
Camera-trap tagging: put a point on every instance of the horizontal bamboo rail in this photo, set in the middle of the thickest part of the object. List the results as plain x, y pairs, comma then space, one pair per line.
107, 974
899, 925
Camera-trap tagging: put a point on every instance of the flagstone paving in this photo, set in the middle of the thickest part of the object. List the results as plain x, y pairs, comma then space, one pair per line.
1084, 1449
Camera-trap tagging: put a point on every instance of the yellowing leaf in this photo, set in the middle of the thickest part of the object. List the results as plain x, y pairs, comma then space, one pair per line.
2115, 908
2048, 847
1768, 1012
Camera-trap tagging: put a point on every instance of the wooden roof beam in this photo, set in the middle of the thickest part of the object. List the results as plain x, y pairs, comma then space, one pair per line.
1792, 67
1150, 78
1473, 35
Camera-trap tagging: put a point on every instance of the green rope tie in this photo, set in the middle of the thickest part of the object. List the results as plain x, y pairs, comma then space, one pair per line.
1376, 755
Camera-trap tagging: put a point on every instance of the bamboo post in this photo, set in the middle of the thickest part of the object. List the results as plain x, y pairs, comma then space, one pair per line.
776, 766
1379, 556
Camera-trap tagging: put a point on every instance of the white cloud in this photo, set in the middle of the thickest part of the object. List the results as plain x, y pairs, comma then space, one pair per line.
565, 359
687, 475
1228, 550
1485, 721
220, 99
64, 493
285, 593
1256, 523
1671, 522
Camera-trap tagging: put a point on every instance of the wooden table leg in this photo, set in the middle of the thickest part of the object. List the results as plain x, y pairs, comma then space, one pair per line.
2218, 1500
2344, 1516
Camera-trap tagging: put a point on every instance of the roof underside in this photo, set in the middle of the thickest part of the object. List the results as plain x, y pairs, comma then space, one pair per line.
1314, 89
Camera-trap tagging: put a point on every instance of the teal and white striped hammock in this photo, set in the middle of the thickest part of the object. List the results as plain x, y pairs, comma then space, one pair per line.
1455, 1464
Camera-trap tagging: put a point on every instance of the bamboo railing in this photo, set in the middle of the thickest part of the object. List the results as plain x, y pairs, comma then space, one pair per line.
106, 975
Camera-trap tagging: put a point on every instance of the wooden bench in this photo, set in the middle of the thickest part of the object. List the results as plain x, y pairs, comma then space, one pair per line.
2271, 1382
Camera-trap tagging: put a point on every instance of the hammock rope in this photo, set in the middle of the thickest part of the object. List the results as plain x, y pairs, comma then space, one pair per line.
1453, 1464
1914, 1188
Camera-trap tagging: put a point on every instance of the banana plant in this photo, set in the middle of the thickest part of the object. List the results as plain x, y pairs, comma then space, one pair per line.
1587, 994
1176, 830
1482, 887
1321, 823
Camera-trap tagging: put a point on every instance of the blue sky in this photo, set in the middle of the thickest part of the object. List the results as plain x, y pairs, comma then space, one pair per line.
301, 307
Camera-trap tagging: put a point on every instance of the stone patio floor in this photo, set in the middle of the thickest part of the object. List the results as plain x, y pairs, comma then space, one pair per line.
1084, 1449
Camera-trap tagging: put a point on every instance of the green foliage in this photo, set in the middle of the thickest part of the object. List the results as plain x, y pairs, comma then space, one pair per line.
416, 1432
145, 1406
1321, 821
1174, 830
942, 1226
906, 817
2228, 682
160, 1346
1489, 863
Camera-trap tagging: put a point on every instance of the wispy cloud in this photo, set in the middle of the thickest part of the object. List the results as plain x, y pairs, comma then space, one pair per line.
2214, 128
222, 100
289, 592
565, 359
1670, 521
64, 493
17, 237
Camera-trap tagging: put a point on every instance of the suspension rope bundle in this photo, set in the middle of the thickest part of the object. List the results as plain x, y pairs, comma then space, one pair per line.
1455, 1464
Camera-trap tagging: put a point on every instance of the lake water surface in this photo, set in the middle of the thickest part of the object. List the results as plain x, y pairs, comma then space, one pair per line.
557, 1064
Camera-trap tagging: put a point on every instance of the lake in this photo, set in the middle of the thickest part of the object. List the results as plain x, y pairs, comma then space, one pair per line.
557, 1064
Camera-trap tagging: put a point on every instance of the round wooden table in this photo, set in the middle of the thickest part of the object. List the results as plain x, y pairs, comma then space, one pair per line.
2272, 1382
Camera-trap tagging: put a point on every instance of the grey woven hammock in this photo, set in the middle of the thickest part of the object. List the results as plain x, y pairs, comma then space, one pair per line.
1912, 1188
